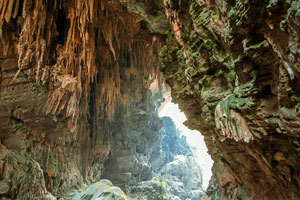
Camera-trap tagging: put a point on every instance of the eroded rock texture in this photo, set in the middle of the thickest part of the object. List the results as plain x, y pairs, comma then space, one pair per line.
75, 99
234, 70
74, 92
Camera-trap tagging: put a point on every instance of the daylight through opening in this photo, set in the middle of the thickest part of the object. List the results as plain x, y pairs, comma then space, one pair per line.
194, 139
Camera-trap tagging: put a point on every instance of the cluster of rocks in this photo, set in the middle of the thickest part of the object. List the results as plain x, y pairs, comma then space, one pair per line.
176, 173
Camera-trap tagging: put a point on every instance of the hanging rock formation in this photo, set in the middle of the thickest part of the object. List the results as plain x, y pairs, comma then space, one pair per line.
74, 92
75, 98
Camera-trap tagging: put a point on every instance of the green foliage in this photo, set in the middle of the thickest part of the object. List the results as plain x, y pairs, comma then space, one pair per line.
252, 50
164, 184
296, 98
156, 178
232, 102
238, 13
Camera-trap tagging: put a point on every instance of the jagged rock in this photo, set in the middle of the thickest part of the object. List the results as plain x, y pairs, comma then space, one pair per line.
21, 176
233, 70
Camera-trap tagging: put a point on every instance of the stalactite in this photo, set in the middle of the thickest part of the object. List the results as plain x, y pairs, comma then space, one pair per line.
70, 56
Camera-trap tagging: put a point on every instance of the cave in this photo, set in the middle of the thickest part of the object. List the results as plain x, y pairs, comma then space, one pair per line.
113, 100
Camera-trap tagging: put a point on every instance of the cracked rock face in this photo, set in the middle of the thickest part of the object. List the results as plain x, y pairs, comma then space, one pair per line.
234, 71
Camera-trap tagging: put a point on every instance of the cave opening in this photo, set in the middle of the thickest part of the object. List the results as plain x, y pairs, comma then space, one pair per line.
193, 138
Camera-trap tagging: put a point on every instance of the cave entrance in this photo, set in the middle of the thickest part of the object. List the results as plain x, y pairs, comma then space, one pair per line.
194, 139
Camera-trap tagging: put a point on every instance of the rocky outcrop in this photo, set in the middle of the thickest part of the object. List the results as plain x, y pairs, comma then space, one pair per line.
233, 70
176, 173
101, 190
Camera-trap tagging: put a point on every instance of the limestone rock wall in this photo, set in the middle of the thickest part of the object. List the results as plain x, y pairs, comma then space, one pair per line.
233, 70
75, 75
74, 90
